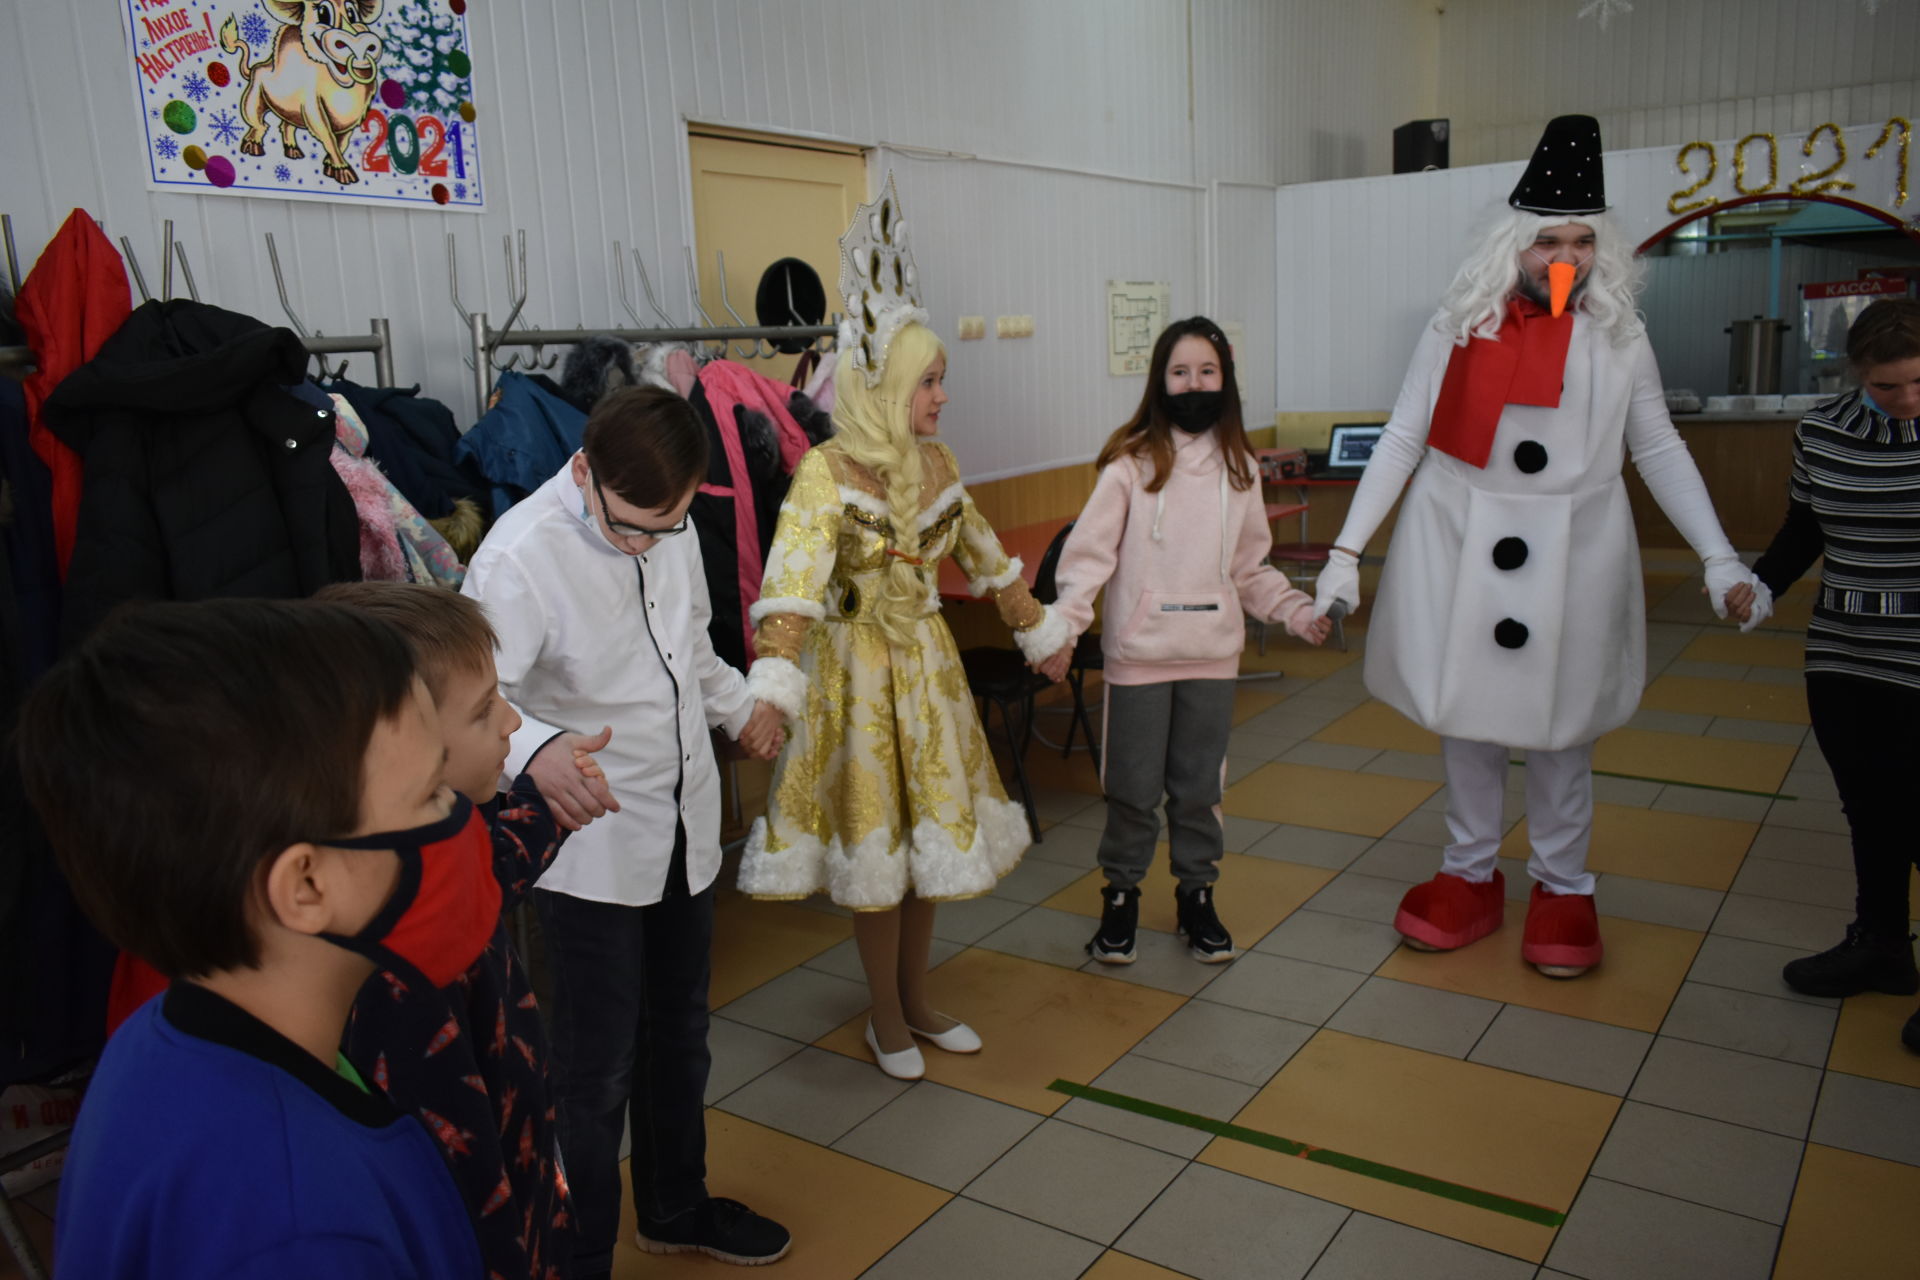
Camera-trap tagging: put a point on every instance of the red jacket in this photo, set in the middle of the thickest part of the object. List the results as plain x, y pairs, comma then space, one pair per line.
73, 300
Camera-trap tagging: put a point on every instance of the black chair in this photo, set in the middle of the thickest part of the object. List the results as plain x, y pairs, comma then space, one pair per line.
1001, 678
1087, 655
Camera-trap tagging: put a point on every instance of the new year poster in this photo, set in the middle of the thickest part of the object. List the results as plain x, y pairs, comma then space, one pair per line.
369, 101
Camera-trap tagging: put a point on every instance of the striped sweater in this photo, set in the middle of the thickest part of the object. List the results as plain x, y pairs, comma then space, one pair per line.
1854, 497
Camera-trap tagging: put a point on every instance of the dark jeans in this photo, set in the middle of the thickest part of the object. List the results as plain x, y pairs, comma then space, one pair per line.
629, 1024
1167, 740
1866, 730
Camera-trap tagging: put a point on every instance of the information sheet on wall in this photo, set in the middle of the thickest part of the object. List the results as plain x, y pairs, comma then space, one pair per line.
1137, 310
366, 101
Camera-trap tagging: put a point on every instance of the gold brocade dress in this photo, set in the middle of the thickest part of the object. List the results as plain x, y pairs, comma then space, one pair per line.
886, 784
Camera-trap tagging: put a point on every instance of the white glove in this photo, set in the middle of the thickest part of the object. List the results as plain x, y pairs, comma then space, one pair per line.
1724, 573
1762, 606
1340, 580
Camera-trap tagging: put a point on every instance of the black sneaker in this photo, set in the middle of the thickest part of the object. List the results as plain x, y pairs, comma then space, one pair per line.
720, 1228
1207, 939
1119, 921
1862, 962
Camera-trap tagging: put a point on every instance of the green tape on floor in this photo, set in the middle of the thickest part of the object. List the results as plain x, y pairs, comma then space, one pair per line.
1319, 1155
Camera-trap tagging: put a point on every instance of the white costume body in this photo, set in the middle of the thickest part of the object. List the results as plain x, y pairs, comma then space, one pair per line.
1431, 650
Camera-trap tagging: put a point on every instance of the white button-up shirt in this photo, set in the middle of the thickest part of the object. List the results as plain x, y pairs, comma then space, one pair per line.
592, 636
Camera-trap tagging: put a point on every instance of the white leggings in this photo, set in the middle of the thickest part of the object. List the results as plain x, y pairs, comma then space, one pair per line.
1559, 812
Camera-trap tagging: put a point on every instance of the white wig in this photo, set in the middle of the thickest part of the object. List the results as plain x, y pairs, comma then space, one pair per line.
1476, 301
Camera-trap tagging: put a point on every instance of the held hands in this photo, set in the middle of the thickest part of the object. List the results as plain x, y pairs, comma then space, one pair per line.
1309, 626
1735, 593
570, 779
765, 733
1340, 580
1054, 666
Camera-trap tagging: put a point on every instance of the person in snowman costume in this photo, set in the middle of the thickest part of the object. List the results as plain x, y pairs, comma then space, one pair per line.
1510, 612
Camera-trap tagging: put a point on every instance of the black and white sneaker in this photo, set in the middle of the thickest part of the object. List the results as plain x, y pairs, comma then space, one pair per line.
1207, 939
1119, 921
720, 1228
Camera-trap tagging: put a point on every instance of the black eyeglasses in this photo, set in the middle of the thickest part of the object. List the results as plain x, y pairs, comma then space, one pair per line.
630, 530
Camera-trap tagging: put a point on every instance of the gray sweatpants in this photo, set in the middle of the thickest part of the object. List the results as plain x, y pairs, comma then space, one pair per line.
1165, 739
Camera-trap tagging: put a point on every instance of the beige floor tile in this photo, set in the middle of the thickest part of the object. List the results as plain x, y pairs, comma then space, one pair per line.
1254, 894
1852, 1215
754, 942
1632, 987
1500, 1132
1250, 700
1866, 1042
1755, 649
1366, 804
1717, 762
1779, 704
1375, 724
1114, 1265
1040, 1022
1649, 844
783, 1177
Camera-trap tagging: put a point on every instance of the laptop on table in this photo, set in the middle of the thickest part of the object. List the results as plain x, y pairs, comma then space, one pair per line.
1348, 451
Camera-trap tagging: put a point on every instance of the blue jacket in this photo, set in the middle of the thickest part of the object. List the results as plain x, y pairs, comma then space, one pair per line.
211, 1146
519, 443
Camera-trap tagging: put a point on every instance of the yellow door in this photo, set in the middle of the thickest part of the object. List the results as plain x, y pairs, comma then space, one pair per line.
758, 201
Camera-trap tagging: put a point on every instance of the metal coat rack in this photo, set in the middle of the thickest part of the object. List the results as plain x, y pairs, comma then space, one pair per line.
19, 362
485, 340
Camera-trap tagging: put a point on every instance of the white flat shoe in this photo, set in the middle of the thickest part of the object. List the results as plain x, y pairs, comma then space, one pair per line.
904, 1065
958, 1038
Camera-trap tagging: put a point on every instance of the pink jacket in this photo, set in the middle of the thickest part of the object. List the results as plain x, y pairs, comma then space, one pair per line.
1182, 567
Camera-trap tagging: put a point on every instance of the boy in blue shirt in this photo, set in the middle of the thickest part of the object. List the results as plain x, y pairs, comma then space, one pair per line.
250, 795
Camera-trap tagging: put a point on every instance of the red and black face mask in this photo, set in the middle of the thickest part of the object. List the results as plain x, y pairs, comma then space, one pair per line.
446, 903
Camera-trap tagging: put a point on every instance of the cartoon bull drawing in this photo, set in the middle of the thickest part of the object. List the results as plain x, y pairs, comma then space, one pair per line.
319, 77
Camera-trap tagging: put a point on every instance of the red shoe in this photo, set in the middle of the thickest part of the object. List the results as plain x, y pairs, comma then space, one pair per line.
1447, 912
1563, 933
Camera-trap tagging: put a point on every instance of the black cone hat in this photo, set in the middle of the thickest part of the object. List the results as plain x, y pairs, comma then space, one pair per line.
1565, 174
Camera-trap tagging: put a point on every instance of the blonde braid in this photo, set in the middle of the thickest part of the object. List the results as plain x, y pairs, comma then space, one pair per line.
874, 427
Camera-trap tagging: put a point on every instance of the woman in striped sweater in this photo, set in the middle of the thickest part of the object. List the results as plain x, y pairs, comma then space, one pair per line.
1854, 498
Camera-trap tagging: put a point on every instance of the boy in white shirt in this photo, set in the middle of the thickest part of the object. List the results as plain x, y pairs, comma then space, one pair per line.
601, 609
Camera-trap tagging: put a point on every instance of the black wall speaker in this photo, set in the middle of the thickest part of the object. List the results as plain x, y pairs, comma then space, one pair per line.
1420, 144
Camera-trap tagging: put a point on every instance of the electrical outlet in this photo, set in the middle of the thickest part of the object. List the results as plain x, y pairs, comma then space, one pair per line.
1005, 326
972, 327
1026, 326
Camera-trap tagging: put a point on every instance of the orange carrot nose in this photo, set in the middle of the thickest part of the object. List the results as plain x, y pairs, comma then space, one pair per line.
1559, 285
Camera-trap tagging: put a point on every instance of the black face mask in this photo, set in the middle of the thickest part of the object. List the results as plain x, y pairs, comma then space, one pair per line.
1195, 411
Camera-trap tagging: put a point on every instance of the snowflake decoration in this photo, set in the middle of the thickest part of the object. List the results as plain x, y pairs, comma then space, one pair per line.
459, 188
167, 148
197, 88
282, 174
225, 126
255, 29
1605, 10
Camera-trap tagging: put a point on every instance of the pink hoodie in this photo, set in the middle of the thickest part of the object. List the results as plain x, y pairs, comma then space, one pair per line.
1179, 566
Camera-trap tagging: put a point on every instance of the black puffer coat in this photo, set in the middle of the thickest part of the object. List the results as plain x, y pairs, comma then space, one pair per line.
203, 476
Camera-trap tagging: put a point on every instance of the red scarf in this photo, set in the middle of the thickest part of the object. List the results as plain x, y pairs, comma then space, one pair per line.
1523, 364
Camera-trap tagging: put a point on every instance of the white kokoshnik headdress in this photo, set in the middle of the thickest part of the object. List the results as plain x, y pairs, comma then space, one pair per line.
878, 282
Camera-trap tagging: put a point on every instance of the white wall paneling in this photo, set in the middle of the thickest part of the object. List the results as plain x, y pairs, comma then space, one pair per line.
1670, 71
585, 103
1362, 263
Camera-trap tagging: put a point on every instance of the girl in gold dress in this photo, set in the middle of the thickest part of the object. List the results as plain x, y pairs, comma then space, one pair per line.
886, 796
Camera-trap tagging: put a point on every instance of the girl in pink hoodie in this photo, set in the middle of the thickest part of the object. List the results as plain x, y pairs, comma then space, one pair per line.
1176, 531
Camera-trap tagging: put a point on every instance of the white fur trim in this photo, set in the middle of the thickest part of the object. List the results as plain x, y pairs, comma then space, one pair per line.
766, 605
875, 873
1044, 639
948, 496
865, 501
779, 682
980, 586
